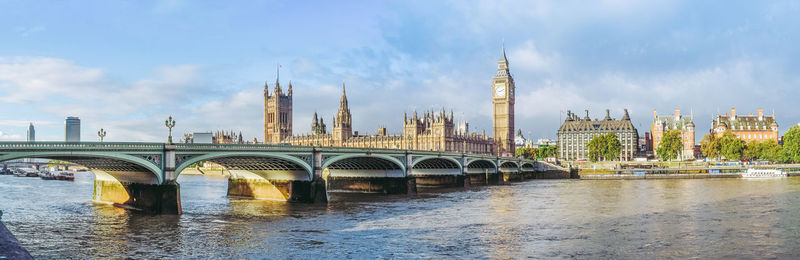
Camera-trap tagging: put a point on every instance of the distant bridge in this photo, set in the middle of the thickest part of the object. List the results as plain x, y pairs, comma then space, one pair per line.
143, 175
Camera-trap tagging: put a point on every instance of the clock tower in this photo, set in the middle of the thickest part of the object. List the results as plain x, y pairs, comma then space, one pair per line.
503, 91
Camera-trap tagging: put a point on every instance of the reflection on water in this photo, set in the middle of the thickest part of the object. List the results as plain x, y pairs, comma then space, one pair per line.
560, 218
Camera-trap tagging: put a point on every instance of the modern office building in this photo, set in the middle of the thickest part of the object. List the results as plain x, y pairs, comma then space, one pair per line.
72, 129
575, 133
31, 133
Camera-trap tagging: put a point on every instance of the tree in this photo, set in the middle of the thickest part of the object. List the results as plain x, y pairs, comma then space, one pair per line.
612, 148
604, 147
753, 151
596, 146
791, 144
549, 151
523, 152
710, 146
670, 146
771, 151
731, 147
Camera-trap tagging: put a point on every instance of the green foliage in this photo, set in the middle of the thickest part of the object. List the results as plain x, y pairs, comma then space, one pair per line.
523, 152
732, 148
537, 153
604, 147
595, 147
770, 151
791, 144
612, 148
670, 146
783, 156
752, 151
710, 146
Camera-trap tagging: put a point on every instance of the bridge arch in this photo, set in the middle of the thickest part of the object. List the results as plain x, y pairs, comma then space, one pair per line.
124, 167
255, 162
434, 165
527, 165
435, 162
480, 166
357, 165
481, 163
509, 164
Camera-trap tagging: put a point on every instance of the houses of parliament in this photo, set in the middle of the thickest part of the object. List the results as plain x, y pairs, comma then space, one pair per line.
431, 130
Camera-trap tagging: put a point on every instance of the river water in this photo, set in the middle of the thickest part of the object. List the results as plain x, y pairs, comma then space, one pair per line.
713, 218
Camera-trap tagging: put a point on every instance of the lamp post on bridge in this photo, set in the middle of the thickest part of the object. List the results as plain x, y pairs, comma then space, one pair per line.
170, 124
101, 134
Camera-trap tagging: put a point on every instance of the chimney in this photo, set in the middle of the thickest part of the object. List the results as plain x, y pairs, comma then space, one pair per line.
760, 114
655, 115
733, 113
677, 113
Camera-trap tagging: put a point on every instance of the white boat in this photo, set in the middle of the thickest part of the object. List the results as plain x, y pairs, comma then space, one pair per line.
763, 173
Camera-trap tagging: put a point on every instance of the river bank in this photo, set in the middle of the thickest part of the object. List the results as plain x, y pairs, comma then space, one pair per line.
9, 245
656, 176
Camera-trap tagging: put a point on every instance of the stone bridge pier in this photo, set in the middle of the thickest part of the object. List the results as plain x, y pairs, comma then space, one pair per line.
138, 186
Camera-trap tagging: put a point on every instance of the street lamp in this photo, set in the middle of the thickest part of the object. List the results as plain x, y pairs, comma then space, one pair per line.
101, 134
170, 124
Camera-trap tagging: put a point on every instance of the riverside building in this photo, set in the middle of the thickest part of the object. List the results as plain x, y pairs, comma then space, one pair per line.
575, 133
749, 128
431, 130
676, 121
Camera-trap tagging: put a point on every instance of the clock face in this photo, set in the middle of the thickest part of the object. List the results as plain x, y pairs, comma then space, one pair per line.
499, 90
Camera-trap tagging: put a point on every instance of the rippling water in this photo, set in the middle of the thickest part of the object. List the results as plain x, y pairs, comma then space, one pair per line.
720, 218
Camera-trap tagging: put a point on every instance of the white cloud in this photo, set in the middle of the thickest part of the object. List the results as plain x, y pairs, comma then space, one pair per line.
530, 58
7, 137
28, 31
62, 88
23, 123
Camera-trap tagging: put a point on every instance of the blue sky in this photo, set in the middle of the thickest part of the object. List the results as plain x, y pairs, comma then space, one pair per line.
127, 65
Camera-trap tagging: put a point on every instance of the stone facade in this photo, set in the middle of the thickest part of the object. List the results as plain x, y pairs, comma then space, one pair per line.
575, 133
431, 131
684, 124
503, 98
749, 128
277, 113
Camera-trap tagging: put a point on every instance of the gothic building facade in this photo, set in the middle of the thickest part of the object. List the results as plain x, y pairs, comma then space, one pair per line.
431, 130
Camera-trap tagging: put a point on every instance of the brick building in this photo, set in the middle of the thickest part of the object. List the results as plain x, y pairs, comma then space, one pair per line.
749, 128
682, 123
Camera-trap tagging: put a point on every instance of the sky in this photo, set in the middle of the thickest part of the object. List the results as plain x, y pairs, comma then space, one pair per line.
125, 66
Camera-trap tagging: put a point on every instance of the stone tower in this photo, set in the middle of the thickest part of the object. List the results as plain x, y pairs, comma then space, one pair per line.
318, 125
503, 91
277, 113
342, 123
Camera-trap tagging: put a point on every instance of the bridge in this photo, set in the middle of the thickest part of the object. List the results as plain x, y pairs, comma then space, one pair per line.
144, 175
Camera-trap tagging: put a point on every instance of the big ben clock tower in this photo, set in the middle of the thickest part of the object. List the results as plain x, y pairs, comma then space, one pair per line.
503, 106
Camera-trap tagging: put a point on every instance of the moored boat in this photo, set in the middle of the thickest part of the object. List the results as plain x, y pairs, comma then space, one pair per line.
45, 175
65, 176
763, 173
27, 172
